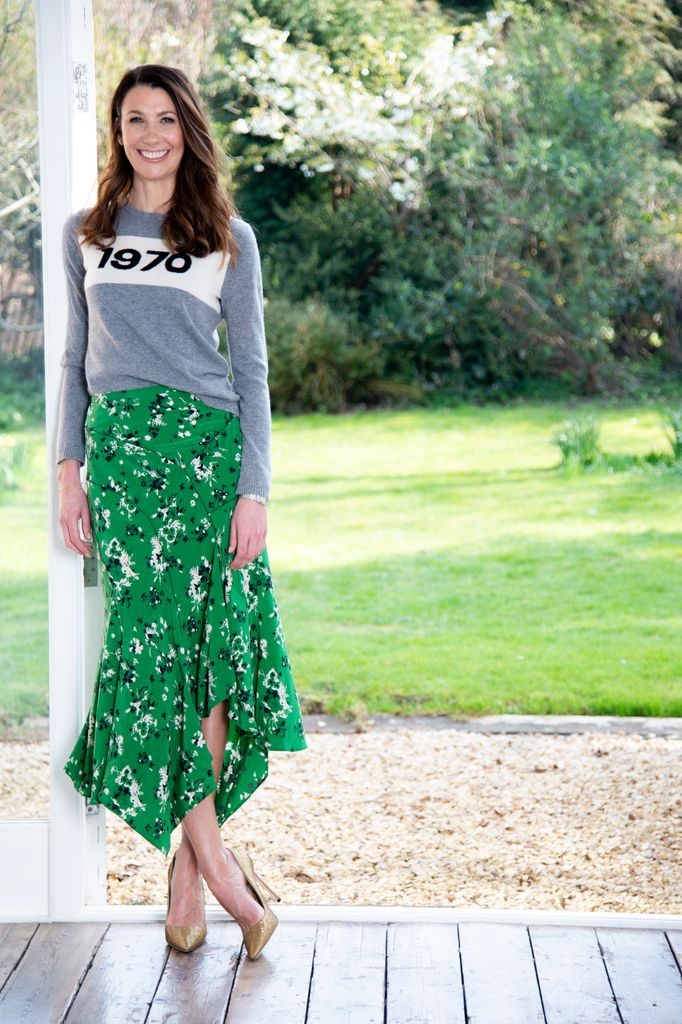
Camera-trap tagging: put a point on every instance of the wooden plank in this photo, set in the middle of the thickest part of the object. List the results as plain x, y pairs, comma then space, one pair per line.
195, 987
500, 986
423, 976
645, 977
348, 973
14, 938
274, 987
573, 980
123, 977
675, 940
48, 977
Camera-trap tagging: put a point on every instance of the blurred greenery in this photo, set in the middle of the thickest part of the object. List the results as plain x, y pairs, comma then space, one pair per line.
523, 226
438, 561
469, 221
475, 199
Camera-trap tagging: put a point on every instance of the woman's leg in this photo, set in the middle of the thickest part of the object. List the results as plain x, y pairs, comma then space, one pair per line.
202, 849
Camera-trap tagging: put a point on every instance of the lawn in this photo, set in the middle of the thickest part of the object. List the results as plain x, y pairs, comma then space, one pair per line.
437, 561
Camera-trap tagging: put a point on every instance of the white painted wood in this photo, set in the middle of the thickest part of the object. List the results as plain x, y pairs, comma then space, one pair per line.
41, 988
68, 162
644, 975
347, 985
500, 983
123, 976
14, 940
195, 987
573, 979
675, 940
23, 879
423, 975
274, 987
383, 914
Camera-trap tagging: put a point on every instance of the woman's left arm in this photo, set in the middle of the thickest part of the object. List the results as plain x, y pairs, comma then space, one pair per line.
242, 307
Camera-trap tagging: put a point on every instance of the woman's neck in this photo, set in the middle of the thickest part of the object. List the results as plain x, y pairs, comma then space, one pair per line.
149, 201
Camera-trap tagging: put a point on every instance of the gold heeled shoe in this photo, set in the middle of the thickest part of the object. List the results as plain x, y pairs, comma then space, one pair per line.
259, 933
184, 937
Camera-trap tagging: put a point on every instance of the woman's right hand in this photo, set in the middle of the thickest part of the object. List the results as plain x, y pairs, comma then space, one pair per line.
73, 506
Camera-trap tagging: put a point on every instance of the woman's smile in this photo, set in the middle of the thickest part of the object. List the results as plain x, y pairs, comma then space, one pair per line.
154, 155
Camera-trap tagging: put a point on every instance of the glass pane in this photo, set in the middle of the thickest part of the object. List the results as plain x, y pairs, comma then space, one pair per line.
23, 484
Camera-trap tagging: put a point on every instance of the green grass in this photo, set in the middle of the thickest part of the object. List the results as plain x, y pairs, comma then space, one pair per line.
436, 561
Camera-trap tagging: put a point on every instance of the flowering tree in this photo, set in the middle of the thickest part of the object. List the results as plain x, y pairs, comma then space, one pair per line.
302, 111
486, 204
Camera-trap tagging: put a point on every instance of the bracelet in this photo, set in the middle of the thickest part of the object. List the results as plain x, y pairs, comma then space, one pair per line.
256, 497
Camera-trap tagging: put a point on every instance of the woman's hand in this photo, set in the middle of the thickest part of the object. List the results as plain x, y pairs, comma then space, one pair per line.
248, 529
73, 506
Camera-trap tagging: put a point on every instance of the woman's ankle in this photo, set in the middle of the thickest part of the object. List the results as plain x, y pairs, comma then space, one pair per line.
185, 856
213, 871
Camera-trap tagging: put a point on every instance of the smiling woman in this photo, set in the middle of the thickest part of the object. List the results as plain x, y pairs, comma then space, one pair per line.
194, 684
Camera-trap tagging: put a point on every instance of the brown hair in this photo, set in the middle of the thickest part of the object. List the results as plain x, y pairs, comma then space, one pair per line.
198, 219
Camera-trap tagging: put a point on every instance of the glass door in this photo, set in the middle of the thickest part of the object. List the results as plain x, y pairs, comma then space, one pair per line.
51, 850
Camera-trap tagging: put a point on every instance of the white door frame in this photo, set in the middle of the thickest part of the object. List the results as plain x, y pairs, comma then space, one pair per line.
68, 162
52, 869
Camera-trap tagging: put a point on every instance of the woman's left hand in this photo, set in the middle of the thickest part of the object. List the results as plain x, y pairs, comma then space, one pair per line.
248, 530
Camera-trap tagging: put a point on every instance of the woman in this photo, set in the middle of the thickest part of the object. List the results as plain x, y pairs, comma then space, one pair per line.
194, 684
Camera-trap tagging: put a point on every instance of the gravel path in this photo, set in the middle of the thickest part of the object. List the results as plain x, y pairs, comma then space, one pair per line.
441, 817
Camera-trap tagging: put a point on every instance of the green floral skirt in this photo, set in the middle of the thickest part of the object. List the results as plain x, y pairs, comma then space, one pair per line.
182, 630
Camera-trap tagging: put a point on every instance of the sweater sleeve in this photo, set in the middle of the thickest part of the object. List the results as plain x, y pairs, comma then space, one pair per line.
74, 396
242, 307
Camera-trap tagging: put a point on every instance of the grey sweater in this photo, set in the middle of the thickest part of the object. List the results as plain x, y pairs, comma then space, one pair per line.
140, 315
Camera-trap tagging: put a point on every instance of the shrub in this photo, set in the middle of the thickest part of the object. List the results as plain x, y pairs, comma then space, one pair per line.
578, 441
318, 362
673, 419
13, 458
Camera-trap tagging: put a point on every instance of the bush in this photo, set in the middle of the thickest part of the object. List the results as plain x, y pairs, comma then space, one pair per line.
317, 362
13, 459
578, 441
673, 419
520, 227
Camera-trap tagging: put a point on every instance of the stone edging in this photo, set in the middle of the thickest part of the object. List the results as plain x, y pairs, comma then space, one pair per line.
560, 725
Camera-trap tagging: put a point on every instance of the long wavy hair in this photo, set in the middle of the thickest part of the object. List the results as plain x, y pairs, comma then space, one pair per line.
197, 221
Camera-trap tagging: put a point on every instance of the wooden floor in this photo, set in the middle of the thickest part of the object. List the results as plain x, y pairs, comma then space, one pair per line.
336, 971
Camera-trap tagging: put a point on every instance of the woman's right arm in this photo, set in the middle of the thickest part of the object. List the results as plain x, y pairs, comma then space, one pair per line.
74, 399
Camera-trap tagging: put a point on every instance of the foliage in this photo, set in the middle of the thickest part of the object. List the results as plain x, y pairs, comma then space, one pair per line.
22, 408
13, 460
315, 360
491, 197
20, 255
578, 441
490, 202
574, 198
673, 420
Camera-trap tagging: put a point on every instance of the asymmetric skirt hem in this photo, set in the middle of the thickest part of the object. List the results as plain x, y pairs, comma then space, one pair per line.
183, 632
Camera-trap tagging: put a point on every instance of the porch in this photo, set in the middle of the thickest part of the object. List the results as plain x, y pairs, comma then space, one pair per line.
397, 965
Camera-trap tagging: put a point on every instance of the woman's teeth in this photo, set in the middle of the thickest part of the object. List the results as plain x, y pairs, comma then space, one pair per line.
157, 154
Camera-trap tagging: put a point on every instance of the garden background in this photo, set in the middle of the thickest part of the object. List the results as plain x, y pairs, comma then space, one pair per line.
469, 223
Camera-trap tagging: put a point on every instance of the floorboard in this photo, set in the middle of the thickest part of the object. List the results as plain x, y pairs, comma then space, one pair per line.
342, 972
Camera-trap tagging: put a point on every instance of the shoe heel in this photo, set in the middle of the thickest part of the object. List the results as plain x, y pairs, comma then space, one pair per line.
263, 884
269, 891
260, 933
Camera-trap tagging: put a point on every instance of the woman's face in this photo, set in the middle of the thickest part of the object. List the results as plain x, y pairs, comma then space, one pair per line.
151, 133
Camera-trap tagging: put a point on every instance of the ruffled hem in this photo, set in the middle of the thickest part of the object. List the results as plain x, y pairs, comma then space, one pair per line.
240, 657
